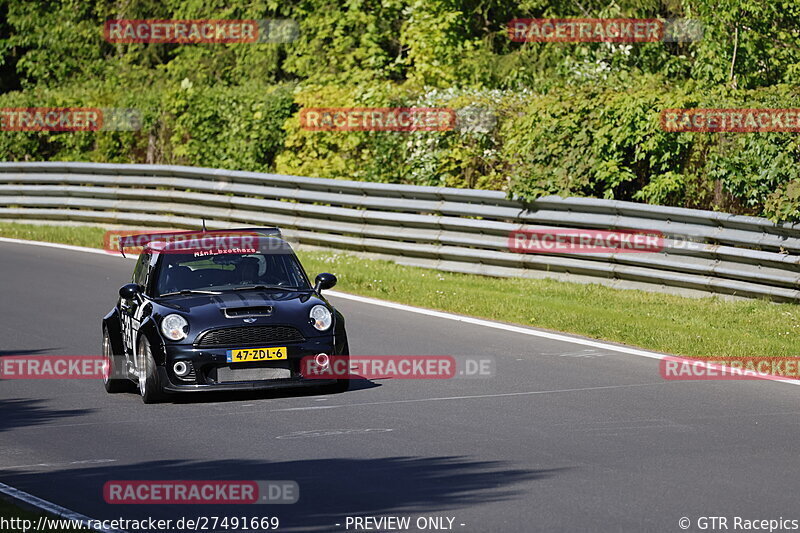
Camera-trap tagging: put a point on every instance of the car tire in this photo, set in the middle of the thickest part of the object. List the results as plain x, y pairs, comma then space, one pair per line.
113, 385
149, 382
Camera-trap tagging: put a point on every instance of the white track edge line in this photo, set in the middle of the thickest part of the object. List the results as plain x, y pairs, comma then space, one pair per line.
49, 507
59, 245
458, 318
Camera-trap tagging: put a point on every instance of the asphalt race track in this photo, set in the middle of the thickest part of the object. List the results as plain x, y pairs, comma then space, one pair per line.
563, 438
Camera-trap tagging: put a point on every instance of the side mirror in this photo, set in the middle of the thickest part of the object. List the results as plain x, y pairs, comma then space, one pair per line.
324, 281
129, 291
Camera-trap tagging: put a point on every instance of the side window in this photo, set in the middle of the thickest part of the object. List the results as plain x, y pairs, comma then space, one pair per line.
140, 264
140, 272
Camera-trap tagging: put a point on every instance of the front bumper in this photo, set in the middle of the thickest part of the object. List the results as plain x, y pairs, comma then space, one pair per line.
205, 362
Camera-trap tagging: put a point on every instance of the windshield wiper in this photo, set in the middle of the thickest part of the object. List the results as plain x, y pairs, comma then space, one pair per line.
265, 288
190, 291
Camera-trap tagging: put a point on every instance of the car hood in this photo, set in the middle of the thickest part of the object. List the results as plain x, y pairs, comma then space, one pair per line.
208, 311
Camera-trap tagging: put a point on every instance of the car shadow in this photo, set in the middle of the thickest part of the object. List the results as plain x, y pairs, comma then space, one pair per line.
241, 396
359, 383
330, 488
4, 353
24, 412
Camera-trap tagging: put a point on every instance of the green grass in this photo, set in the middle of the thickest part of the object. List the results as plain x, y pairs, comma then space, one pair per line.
90, 236
9, 510
704, 327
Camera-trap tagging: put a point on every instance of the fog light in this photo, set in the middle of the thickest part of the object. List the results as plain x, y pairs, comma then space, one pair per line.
181, 369
322, 360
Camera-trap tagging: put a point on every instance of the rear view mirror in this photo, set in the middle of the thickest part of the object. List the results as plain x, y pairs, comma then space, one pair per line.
324, 281
129, 291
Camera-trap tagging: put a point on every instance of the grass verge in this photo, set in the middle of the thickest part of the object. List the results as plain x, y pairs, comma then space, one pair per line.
9, 511
705, 327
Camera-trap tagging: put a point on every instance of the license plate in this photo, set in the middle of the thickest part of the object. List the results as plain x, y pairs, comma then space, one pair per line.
251, 355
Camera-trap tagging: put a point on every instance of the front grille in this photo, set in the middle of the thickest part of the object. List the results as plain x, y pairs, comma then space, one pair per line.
249, 336
227, 374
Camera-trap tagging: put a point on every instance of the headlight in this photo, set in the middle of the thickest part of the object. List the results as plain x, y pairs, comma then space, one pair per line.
321, 317
173, 327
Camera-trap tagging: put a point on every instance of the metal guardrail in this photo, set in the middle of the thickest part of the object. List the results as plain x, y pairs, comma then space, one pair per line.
457, 230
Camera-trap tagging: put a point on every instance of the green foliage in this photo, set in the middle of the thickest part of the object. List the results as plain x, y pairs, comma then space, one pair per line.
227, 127
60, 40
594, 142
764, 36
237, 127
609, 144
558, 118
346, 42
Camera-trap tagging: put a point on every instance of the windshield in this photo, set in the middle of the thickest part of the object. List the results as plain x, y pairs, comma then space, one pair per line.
212, 273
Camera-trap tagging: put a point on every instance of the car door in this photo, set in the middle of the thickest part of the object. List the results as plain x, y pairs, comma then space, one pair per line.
132, 310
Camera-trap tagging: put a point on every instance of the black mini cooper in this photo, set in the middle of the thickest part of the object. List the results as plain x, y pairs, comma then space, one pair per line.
220, 318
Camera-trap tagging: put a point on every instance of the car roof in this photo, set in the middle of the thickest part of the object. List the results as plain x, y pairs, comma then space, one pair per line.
158, 243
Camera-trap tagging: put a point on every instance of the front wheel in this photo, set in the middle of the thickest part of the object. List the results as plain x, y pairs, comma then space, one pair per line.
149, 383
112, 371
